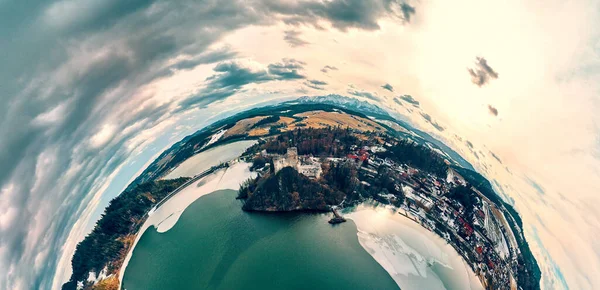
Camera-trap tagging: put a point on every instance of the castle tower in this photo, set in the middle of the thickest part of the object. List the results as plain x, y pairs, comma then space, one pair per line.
292, 157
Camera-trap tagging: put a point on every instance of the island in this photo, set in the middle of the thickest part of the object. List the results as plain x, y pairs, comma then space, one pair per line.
327, 155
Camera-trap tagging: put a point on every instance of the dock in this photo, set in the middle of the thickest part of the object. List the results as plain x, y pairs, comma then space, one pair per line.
337, 218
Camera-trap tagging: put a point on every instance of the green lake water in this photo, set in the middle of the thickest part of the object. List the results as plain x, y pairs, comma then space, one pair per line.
215, 245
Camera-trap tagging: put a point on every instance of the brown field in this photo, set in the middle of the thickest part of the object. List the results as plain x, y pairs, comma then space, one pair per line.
242, 126
312, 119
110, 283
321, 119
264, 130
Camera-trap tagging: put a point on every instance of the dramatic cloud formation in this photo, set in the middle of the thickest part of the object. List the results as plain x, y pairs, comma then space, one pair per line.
92, 90
87, 94
482, 73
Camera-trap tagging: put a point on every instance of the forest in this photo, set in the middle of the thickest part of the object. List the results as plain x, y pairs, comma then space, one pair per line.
417, 156
106, 244
334, 142
288, 190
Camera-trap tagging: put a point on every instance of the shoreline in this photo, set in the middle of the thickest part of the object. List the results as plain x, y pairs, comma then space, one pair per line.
166, 216
413, 256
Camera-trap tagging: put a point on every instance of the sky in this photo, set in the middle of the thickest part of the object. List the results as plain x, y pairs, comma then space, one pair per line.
92, 90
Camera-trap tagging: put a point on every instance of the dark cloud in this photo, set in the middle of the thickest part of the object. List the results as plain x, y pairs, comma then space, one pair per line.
432, 122
232, 76
287, 69
293, 38
482, 73
409, 99
208, 57
493, 110
407, 11
496, 157
315, 84
328, 68
398, 102
469, 144
388, 87
363, 94
342, 14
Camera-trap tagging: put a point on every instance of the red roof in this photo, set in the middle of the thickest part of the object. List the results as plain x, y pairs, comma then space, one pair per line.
480, 213
467, 227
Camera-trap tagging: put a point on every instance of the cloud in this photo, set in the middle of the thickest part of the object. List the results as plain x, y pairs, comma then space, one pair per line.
328, 68
342, 14
287, 69
231, 77
207, 57
432, 122
397, 101
407, 11
315, 84
293, 38
482, 73
388, 87
493, 110
409, 99
469, 144
496, 157
363, 94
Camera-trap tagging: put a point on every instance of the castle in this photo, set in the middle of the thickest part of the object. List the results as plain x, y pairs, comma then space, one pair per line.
307, 166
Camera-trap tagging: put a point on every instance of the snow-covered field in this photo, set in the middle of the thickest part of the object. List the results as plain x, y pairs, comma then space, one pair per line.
415, 257
166, 216
214, 138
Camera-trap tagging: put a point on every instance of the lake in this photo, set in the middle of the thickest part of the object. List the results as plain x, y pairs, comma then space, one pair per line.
209, 158
216, 245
